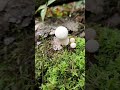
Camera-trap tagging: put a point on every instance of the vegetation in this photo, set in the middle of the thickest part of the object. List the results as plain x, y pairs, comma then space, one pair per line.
58, 11
64, 70
44, 8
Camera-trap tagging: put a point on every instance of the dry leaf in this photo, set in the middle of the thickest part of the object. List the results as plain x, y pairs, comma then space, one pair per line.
71, 25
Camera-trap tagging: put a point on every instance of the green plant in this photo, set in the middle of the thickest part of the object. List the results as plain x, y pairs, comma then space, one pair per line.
43, 9
65, 70
80, 3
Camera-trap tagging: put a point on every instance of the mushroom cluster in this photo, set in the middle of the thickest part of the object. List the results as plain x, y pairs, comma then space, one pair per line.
73, 44
61, 34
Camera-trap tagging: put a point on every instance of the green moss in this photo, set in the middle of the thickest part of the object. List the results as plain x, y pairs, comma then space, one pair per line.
65, 70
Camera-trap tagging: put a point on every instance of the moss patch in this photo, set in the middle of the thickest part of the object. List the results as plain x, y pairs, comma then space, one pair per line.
63, 70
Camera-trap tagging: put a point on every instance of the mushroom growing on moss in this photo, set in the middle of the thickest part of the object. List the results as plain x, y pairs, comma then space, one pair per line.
72, 40
73, 45
61, 33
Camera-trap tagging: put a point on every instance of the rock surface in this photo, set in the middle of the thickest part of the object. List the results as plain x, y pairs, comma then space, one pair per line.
18, 12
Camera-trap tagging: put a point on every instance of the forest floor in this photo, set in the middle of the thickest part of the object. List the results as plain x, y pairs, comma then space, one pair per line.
60, 67
65, 68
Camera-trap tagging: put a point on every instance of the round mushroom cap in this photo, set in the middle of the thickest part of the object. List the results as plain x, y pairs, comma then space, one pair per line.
61, 32
90, 34
73, 45
92, 46
72, 40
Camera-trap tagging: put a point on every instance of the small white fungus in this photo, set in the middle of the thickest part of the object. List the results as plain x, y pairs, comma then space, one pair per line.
61, 32
73, 45
72, 40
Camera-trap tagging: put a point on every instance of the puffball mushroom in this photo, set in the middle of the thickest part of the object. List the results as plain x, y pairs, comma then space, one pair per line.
92, 46
90, 34
61, 33
72, 40
73, 45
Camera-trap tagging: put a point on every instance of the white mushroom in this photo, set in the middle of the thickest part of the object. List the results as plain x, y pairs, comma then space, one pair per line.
72, 40
73, 45
62, 34
64, 41
92, 46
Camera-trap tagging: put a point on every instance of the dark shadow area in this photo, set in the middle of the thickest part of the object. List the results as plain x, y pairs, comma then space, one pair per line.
17, 45
103, 46
57, 2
